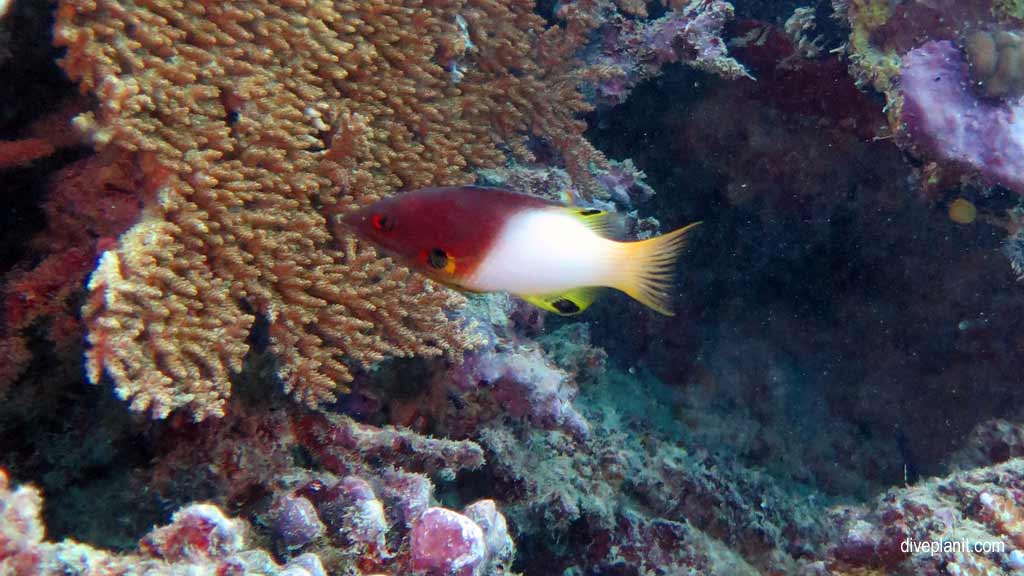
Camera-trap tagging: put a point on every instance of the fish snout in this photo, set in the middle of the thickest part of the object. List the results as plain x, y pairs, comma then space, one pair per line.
354, 221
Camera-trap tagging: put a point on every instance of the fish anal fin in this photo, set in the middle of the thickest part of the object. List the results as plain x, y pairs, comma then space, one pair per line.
568, 303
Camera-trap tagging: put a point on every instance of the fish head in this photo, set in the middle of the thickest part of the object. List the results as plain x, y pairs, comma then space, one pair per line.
423, 230
379, 224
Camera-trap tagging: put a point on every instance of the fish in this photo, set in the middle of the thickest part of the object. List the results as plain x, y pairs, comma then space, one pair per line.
555, 256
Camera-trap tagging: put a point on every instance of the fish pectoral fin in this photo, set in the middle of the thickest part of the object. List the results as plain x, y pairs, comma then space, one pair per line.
601, 222
569, 303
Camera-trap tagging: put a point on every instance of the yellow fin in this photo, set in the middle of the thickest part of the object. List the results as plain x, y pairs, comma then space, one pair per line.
602, 222
569, 303
647, 268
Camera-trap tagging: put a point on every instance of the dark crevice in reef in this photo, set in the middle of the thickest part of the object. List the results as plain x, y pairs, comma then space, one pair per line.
25, 189
847, 284
33, 85
77, 443
28, 65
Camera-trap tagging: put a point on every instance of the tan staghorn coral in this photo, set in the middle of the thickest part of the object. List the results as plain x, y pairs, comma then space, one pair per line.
253, 122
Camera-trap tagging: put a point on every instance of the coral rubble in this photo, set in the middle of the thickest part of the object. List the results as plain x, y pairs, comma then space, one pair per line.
360, 497
199, 540
598, 480
968, 523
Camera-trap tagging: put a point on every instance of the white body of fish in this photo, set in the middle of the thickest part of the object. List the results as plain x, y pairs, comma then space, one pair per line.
544, 251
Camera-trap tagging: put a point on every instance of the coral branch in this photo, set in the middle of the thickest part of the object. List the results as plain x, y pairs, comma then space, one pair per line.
335, 439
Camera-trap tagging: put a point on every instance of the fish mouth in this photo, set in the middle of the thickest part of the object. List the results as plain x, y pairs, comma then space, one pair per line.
353, 220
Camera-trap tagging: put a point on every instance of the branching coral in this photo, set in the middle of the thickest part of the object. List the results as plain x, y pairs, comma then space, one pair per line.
254, 122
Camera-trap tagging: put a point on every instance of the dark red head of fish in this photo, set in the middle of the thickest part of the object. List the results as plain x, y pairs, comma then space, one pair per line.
378, 222
440, 230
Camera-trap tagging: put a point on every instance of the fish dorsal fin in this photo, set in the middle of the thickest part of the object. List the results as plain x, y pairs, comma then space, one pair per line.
602, 222
568, 303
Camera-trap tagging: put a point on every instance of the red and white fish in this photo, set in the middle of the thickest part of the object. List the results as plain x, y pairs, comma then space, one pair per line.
488, 240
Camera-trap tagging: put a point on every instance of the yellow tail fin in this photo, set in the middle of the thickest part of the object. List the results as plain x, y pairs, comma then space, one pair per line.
647, 268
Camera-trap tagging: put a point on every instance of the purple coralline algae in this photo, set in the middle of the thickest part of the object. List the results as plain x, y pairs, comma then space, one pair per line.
526, 384
199, 540
497, 541
625, 183
295, 522
511, 377
912, 52
446, 542
631, 51
352, 512
364, 527
948, 121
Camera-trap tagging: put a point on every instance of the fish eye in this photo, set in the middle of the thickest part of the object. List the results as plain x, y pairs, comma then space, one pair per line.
437, 258
383, 222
